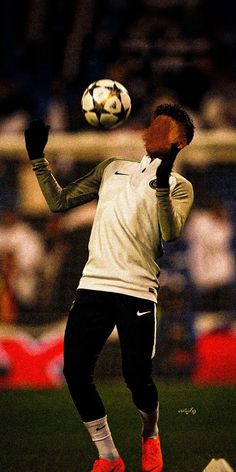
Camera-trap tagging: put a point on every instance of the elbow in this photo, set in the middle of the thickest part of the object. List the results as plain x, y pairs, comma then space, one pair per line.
55, 208
58, 205
171, 239
58, 209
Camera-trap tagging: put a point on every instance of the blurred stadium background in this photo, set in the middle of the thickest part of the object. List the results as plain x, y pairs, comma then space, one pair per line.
162, 50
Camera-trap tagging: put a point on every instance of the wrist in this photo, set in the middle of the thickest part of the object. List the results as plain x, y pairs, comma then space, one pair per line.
163, 183
163, 186
35, 155
162, 193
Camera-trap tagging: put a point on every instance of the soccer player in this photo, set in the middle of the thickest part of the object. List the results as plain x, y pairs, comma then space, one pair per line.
139, 205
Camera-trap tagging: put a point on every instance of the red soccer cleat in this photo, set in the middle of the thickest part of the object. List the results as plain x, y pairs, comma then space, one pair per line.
104, 465
151, 455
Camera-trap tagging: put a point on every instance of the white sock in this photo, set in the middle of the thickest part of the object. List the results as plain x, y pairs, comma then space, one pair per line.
101, 436
150, 426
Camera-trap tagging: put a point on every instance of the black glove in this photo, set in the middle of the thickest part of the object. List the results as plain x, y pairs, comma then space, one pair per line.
36, 137
165, 167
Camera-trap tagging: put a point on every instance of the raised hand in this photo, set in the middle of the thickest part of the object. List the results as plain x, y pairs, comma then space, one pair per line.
165, 167
36, 137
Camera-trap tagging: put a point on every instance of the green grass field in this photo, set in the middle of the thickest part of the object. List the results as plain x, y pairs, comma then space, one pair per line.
41, 432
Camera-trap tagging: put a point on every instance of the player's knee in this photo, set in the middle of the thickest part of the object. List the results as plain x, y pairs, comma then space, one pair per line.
144, 392
134, 379
136, 373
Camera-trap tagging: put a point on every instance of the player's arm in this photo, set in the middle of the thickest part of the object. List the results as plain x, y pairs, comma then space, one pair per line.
173, 208
77, 193
59, 199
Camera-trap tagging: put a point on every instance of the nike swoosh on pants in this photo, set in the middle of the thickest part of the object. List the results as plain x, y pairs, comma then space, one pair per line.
141, 313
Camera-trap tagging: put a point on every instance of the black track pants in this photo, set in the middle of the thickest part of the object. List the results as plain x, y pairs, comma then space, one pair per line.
92, 318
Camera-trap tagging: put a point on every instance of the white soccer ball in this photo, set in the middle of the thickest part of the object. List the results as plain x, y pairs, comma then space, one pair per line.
106, 104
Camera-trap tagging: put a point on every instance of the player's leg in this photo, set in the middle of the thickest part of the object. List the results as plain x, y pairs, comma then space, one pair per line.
137, 332
86, 332
136, 327
88, 327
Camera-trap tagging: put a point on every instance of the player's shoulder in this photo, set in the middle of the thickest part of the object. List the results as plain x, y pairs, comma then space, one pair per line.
179, 182
181, 179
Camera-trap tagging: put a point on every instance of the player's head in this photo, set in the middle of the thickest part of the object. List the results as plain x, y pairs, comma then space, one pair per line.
179, 115
170, 125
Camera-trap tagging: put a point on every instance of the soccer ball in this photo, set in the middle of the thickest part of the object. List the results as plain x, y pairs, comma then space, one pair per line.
106, 104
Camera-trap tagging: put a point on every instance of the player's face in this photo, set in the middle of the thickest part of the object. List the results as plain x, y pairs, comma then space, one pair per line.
162, 133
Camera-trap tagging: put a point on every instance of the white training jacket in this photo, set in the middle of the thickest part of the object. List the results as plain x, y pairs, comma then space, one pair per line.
133, 218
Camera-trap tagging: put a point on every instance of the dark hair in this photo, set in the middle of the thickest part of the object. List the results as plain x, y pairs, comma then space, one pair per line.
178, 114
